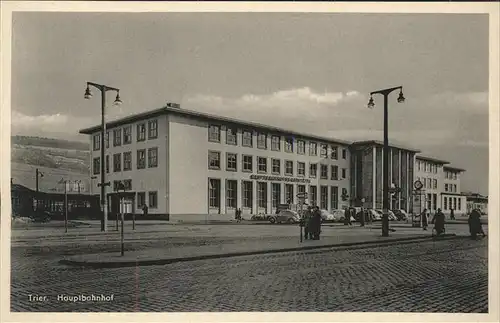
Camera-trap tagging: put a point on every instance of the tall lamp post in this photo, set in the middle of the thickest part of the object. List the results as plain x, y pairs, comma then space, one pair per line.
385, 200
103, 183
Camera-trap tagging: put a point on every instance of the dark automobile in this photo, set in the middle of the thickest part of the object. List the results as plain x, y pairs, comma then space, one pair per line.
40, 216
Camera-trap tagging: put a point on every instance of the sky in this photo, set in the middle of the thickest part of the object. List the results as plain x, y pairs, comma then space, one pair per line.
309, 72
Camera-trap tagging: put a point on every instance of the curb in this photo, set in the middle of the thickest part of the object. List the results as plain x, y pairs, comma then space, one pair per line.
157, 262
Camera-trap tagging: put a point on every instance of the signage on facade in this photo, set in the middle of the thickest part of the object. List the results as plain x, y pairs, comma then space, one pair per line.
280, 179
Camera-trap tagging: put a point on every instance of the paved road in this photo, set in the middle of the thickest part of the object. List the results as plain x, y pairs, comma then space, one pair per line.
434, 276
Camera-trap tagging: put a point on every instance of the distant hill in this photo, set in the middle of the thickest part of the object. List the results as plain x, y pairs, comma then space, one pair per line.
55, 158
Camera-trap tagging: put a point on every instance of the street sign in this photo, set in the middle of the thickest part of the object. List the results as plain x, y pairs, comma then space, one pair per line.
418, 185
302, 195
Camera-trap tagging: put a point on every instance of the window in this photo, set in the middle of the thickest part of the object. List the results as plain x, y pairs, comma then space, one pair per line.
301, 189
262, 195
117, 137
214, 193
152, 157
454, 203
435, 184
434, 201
288, 193
231, 163
107, 139
117, 162
335, 172
276, 166
446, 187
275, 143
313, 195
313, 149
247, 194
450, 205
429, 182
301, 147
455, 176
445, 203
455, 188
247, 163
459, 204
275, 194
141, 132
127, 160
127, 135
344, 153
107, 164
289, 144
289, 167
313, 170
324, 171
231, 193
214, 160
214, 133
231, 136
153, 200
141, 159
141, 199
262, 164
335, 152
323, 150
301, 169
262, 141
344, 171
323, 197
418, 165
97, 142
152, 129
247, 139
97, 166
127, 184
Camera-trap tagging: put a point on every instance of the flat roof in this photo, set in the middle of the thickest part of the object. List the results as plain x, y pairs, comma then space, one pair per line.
432, 159
380, 143
454, 168
206, 116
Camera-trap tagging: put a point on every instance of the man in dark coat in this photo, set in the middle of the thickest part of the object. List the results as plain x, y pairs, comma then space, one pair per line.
307, 223
438, 221
425, 221
475, 226
452, 214
145, 209
316, 223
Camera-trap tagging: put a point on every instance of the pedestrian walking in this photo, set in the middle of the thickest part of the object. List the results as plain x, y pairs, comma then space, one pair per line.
362, 217
316, 223
439, 221
475, 225
424, 219
452, 214
238, 215
145, 210
307, 223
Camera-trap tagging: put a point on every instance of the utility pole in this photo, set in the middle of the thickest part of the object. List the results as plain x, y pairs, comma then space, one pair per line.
38, 174
65, 182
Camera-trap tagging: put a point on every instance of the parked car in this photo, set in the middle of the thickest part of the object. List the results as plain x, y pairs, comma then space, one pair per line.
338, 215
41, 216
391, 215
401, 215
285, 216
327, 216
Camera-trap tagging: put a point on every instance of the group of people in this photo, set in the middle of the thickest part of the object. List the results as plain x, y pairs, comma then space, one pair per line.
312, 223
474, 221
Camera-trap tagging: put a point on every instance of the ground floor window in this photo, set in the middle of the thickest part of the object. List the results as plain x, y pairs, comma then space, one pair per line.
214, 193
262, 195
434, 201
429, 201
141, 199
459, 204
247, 194
153, 199
334, 197
231, 193
445, 204
324, 197
450, 203
289, 193
301, 189
275, 194
454, 203
313, 195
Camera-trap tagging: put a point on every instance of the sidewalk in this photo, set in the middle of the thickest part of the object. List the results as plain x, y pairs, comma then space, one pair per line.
172, 254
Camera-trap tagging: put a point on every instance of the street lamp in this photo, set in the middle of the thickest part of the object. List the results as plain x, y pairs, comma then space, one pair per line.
385, 201
103, 183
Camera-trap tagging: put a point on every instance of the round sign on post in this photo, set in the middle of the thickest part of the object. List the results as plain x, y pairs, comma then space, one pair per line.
418, 185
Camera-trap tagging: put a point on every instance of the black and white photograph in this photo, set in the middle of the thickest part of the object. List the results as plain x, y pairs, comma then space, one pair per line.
226, 160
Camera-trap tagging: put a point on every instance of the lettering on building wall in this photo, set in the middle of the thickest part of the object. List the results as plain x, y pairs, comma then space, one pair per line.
280, 178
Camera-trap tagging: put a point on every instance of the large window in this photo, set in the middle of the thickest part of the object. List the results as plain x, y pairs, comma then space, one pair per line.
247, 163
262, 164
324, 171
117, 162
153, 200
289, 144
313, 148
335, 172
262, 195
301, 169
152, 157
335, 197
127, 135
231, 136
313, 170
324, 197
324, 150
429, 183
106, 139
289, 193
301, 189
117, 137
301, 147
344, 153
127, 160
446, 187
247, 139
344, 173
435, 184
289, 167
247, 194
153, 129
97, 142
454, 203
214, 193
276, 194
141, 159
334, 154
262, 141
275, 143
97, 165
214, 160
141, 132
276, 166
214, 133
232, 162
231, 193
107, 164
141, 199
445, 203
313, 195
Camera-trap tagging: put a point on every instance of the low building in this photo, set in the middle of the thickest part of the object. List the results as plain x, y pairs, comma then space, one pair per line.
476, 201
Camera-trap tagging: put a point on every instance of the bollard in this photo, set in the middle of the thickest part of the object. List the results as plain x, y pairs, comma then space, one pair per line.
123, 246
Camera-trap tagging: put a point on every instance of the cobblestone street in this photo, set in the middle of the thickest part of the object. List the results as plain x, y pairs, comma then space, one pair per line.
433, 276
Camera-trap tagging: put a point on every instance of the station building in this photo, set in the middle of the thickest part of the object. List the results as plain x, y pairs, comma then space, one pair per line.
189, 165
